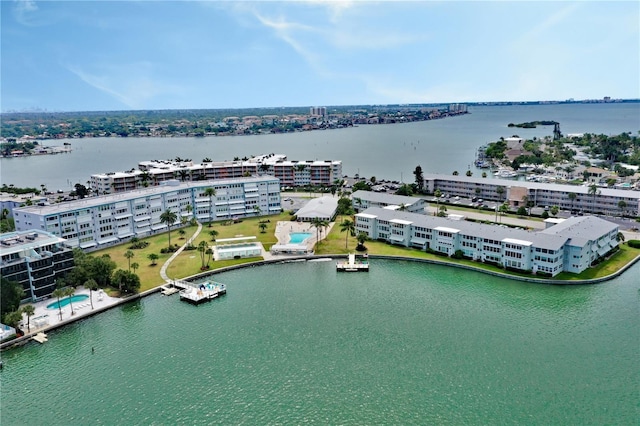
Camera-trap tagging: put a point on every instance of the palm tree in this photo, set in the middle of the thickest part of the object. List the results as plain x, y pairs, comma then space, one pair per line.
135, 266
213, 234
58, 293
69, 292
263, 227
153, 257
209, 253
202, 247
319, 223
620, 237
572, 196
128, 255
437, 194
349, 227
92, 286
182, 232
210, 192
257, 210
28, 310
188, 208
500, 191
525, 202
593, 191
168, 218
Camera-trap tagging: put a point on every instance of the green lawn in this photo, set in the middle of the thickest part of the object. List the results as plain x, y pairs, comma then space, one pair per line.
189, 262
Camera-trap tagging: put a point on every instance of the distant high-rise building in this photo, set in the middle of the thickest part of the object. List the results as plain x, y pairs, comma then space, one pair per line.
321, 111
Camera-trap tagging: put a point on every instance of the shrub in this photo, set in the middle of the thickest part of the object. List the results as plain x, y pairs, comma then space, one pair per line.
139, 245
634, 243
458, 254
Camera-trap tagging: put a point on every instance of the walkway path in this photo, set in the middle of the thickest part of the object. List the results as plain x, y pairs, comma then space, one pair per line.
163, 270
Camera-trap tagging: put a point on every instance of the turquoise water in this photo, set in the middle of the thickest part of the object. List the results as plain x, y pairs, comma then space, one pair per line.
296, 343
298, 237
64, 302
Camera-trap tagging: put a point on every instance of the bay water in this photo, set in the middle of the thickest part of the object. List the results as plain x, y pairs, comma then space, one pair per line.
297, 343
390, 151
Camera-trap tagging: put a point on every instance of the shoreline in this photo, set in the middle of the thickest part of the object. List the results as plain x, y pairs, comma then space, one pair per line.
27, 337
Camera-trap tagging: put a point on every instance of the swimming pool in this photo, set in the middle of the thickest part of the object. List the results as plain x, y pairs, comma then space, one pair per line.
64, 302
298, 237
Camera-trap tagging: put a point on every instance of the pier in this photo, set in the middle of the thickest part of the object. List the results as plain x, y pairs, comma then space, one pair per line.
200, 293
354, 264
40, 338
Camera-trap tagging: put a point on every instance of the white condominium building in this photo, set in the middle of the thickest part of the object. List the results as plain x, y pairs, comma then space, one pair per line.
110, 219
152, 173
574, 198
572, 245
362, 200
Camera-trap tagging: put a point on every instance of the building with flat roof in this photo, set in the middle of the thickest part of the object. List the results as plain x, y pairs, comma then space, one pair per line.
318, 208
110, 219
35, 259
362, 200
572, 245
152, 173
604, 201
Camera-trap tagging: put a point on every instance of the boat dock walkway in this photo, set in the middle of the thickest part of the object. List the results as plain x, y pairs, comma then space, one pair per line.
353, 265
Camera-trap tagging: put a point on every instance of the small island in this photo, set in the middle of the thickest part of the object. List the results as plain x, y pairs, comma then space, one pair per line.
534, 124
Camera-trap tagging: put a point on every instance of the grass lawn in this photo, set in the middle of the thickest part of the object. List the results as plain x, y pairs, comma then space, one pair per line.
189, 262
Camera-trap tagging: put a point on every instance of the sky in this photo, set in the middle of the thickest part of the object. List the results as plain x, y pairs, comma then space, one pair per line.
132, 55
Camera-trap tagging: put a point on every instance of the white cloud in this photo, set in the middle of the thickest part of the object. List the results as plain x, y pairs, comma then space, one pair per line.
23, 10
130, 84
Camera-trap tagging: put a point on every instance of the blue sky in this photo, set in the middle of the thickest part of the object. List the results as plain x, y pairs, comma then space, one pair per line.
120, 55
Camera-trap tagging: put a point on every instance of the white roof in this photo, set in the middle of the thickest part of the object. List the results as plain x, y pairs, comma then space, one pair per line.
401, 222
519, 242
366, 215
445, 229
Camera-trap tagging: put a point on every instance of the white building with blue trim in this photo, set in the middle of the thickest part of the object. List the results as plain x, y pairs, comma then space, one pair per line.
111, 219
572, 246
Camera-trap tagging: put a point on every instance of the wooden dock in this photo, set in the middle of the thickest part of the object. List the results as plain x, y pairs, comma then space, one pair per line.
353, 264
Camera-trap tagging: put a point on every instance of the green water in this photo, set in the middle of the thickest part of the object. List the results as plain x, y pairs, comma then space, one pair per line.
299, 343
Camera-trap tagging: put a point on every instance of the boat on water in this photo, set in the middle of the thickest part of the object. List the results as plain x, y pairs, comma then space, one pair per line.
506, 174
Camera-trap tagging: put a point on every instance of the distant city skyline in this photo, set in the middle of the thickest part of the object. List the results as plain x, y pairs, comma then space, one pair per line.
135, 55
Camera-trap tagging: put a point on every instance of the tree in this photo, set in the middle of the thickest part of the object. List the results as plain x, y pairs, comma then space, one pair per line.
593, 191
135, 266
153, 257
168, 218
622, 205
620, 237
318, 223
349, 227
405, 190
361, 186
92, 286
257, 210
572, 196
469, 173
12, 319
419, 175
522, 211
484, 174
437, 193
182, 232
11, 293
455, 173
442, 211
345, 206
126, 281
202, 247
69, 292
500, 191
128, 255
28, 310
58, 293
81, 190
504, 208
362, 237
100, 269
209, 253
263, 227
213, 233
554, 210
210, 192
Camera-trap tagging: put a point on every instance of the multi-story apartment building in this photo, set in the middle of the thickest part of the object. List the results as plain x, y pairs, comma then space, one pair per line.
567, 197
107, 220
35, 259
152, 173
572, 245
362, 200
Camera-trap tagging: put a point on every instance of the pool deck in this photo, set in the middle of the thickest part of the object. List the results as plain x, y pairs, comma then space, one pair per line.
284, 228
52, 316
